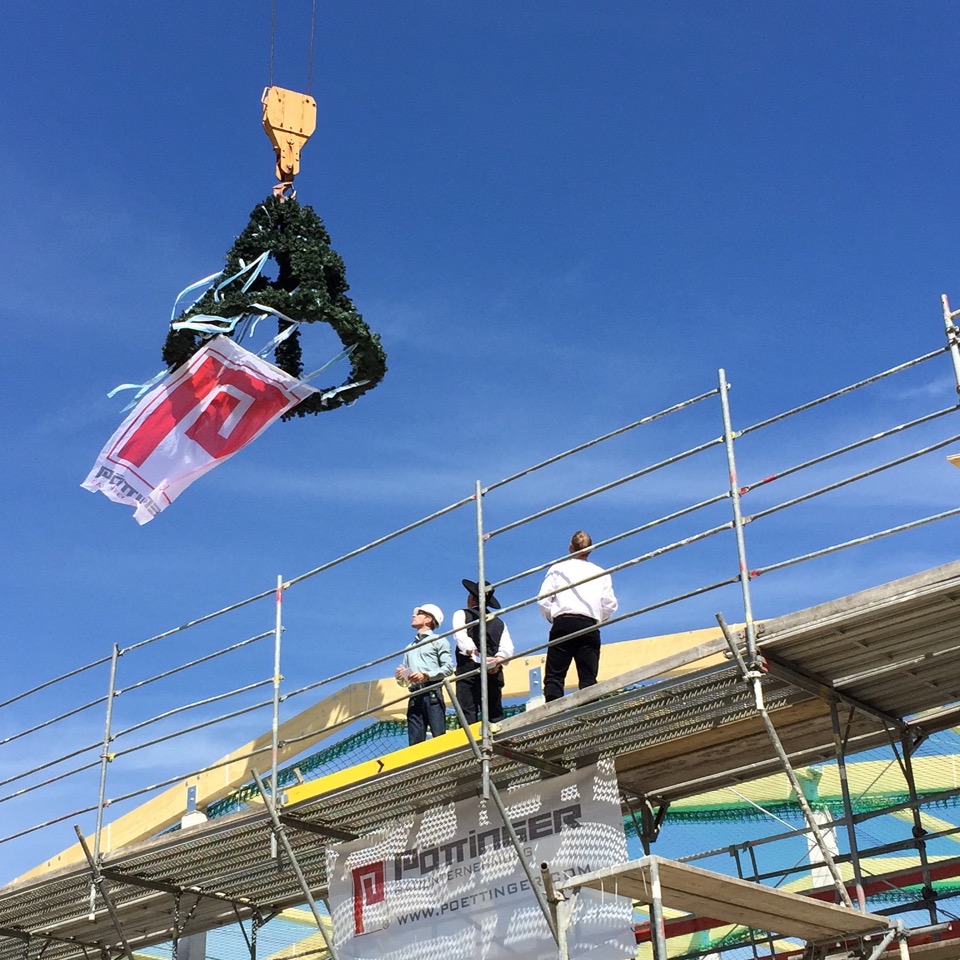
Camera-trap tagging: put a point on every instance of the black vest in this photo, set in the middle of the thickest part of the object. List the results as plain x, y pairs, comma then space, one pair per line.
494, 632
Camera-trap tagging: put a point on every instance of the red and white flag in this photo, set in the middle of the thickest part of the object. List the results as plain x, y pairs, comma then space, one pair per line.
197, 417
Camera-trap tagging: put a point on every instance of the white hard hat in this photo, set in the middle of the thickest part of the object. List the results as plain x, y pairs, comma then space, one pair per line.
434, 612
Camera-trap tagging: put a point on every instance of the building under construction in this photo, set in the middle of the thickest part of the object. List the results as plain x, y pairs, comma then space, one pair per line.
786, 770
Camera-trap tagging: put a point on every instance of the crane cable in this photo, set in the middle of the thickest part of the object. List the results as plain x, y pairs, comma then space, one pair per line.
313, 25
273, 35
273, 40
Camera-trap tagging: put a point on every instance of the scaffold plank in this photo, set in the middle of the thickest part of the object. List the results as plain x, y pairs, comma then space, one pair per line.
704, 893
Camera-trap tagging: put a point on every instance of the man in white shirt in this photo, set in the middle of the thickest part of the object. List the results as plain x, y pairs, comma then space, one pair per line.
574, 607
466, 625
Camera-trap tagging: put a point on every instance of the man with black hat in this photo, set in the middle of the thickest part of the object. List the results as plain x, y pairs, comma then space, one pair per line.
466, 625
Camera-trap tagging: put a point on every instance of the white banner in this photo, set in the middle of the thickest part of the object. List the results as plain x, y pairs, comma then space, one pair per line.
447, 884
200, 415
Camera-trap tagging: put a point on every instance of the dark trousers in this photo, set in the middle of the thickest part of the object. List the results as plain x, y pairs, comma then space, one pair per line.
426, 711
468, 695
584, 651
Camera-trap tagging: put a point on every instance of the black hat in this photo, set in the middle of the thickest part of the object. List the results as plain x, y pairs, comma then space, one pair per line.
474, 590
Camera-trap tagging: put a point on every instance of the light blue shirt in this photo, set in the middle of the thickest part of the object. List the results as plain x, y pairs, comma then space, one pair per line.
433, 658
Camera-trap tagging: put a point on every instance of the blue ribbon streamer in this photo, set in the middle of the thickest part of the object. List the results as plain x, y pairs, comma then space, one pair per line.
254, 268
141, 389
282, 335
205, 323
205, 282
340, 356
327, 394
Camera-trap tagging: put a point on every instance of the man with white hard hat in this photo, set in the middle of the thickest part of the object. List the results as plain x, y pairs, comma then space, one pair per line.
426, 661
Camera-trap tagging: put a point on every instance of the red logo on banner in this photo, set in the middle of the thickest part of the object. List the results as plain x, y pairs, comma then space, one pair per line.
368, 888
223, 393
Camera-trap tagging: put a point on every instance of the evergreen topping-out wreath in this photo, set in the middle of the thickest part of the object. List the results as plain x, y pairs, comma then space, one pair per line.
310, 287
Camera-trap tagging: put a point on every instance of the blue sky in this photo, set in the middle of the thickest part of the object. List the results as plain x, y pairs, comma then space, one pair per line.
559, 218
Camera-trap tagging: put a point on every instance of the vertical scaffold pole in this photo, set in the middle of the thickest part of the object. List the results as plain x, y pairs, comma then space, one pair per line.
949, 316
919, 832
105, 759
563, 929
657, 926
728, 438
486, 745
275, 728
902, 942
840, 751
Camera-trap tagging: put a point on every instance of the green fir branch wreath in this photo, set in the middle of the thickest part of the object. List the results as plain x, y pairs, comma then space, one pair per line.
310, 286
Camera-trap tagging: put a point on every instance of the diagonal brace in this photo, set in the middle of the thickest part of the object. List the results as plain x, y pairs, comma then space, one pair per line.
281, 835
754, 677
822, 689
508, 826
104, 892
530, 759
320, 829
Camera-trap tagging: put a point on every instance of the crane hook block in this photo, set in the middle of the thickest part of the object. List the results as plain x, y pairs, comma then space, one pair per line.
289, 119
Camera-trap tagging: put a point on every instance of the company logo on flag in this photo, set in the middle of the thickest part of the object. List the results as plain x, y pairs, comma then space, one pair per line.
446, 884
197, 417
368, 889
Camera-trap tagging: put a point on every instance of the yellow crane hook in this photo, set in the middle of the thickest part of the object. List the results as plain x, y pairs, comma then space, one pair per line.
289, 119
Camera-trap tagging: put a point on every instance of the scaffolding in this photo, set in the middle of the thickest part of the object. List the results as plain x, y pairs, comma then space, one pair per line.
820, 683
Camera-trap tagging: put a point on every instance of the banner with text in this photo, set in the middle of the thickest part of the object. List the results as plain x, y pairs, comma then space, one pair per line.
204, 412
447, 884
